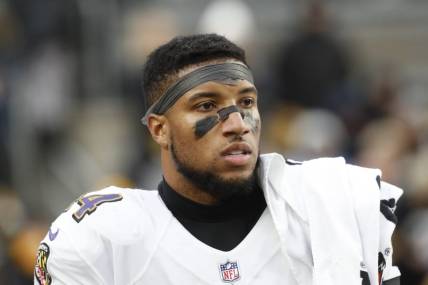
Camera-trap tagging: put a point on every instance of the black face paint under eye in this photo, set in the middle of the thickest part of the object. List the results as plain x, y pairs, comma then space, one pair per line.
203, 126
224, 113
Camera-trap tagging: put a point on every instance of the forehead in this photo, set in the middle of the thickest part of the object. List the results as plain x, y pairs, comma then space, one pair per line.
221, 89
216, 87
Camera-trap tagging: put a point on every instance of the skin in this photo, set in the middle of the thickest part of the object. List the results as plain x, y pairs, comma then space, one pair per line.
177, 127
203, 126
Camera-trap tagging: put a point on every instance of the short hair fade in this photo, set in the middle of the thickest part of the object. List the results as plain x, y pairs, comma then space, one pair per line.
167, 60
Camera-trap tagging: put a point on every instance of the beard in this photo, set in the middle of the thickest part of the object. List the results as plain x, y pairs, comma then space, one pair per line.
218, 187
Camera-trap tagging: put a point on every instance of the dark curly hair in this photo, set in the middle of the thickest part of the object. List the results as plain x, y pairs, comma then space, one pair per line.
164, 63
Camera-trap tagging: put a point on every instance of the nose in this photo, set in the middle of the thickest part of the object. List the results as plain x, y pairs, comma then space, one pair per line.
234, 125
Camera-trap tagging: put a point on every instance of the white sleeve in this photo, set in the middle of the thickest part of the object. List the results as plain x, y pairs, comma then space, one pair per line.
389, 195
59, 262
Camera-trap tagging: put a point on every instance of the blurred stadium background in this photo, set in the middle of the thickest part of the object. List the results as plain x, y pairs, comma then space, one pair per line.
335, 78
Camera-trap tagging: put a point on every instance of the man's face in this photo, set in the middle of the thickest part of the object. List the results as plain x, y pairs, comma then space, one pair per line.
226, 155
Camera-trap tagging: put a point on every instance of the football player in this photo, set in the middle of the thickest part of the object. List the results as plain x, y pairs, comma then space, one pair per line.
223, 213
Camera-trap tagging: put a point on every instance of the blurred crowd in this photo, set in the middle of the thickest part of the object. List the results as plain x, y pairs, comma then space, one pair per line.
335, 78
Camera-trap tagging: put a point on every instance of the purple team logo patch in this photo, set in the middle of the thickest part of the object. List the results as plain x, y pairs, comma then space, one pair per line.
41, 273
229, 271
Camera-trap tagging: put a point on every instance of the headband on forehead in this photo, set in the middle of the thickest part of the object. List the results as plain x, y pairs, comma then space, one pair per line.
222, 72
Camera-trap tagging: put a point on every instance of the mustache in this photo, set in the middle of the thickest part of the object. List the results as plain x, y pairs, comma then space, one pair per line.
236, 138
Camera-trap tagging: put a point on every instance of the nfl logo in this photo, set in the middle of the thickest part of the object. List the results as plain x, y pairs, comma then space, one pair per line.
229, 271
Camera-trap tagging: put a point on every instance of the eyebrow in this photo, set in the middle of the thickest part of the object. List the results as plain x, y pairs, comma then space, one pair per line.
246, 90
199, 95
202, 94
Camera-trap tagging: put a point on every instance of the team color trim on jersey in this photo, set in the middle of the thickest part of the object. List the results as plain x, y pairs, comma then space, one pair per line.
90, 203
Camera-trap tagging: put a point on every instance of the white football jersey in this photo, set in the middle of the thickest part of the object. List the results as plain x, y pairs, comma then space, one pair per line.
136, 240
127, 236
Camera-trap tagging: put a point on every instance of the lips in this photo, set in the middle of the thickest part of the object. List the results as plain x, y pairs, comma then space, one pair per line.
237, 148
237, 154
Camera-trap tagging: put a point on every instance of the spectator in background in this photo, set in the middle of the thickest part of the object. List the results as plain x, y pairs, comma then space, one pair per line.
313, 66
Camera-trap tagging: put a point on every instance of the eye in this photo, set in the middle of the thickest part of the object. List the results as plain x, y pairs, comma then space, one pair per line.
248, 102
205, 106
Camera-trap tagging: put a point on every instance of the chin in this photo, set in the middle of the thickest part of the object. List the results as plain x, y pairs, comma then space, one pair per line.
237, 175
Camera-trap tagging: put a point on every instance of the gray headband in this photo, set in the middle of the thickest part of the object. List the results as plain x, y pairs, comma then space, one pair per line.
223, 72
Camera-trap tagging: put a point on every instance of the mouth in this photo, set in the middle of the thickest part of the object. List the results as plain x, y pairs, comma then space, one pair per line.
237, 154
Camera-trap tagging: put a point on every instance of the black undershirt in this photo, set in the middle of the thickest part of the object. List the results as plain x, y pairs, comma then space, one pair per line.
221, 226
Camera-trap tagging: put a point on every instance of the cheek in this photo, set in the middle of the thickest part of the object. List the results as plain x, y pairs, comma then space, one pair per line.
203, 126
187, 146
252, 119
196, 155
181, 127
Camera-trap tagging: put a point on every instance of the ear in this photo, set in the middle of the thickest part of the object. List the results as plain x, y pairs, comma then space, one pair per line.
159, 129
